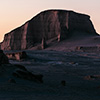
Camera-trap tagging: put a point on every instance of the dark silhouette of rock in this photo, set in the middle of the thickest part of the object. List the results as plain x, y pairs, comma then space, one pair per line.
63, 83
28, 76
19, 71
3, 58
92, 77
88, 48
23, 73
16, 70
48, 24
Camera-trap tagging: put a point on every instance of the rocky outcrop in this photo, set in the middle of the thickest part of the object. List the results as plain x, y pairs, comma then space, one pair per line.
3, 58
23, 73
92, 77
47, 25
88, 48
17, 55
19, 71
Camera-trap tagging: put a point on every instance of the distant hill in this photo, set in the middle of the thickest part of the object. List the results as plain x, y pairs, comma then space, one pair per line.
46, 27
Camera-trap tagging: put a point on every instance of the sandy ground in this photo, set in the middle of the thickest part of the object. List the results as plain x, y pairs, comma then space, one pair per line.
55, 66
58, 62
71, 43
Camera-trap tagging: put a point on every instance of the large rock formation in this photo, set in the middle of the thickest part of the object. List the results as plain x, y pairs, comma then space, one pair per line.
60, 24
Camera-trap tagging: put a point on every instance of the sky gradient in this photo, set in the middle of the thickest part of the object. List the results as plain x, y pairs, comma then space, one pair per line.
14, 13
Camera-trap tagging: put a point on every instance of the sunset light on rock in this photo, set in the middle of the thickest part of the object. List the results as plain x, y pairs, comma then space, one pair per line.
49, 50
13, 13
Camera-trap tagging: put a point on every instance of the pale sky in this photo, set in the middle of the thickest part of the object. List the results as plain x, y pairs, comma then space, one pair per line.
14, 13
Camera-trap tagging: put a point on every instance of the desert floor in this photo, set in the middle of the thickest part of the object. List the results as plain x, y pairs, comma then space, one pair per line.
79, 70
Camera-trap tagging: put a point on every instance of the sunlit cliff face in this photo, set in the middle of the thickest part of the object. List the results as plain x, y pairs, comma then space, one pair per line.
48, 25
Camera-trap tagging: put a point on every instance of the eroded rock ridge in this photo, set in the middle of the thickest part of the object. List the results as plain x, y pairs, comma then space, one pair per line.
59, 24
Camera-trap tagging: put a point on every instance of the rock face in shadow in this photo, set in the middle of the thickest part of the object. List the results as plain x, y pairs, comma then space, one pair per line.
45, 26
3, 58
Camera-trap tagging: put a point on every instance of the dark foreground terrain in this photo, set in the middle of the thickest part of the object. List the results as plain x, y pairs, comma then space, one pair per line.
66, 76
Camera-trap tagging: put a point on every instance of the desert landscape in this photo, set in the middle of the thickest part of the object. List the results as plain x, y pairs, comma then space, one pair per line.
53, 56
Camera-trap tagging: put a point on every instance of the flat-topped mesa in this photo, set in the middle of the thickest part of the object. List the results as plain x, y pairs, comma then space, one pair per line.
48, 25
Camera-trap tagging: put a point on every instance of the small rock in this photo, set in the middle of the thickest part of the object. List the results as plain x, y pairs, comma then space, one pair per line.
63, 83
73, 63
23, 55
17, 55
92, 77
